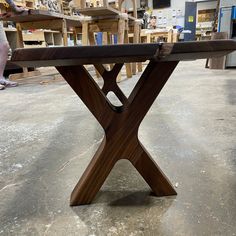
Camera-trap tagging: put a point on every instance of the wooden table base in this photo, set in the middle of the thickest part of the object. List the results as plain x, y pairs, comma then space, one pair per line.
120, 125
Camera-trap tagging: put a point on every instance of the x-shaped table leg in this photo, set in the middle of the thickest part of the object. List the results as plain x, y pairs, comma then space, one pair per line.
120, 125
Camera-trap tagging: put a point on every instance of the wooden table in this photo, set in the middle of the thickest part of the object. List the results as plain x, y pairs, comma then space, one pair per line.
120, 123
152, 35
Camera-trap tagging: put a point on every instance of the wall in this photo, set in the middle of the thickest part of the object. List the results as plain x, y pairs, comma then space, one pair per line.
177, 8
173, 15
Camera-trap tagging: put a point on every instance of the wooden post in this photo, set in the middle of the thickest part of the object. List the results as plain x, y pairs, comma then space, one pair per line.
75, 36
170, 36
104, 38
122, 38
64, 33
93, 42
109, 42
127, 65
135, 15
20, 44
136, 39
121, 31
85, 33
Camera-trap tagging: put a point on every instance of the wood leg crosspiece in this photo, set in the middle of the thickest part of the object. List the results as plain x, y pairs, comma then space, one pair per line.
120, 125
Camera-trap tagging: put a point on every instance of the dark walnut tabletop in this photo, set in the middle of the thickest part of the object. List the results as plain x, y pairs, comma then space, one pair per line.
79, 55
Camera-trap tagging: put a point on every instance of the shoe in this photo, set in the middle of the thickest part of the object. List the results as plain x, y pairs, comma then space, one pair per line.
2, 87
8, 83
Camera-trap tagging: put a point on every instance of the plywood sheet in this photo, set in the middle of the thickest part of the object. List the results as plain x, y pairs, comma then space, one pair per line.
99, 11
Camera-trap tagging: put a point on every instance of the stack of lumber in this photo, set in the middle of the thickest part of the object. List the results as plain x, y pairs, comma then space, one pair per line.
49, 5
66, 9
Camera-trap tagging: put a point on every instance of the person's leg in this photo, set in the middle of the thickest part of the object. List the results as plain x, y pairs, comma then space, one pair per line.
4, 48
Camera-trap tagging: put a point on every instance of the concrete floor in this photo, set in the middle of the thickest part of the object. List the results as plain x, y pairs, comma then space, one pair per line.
48, 137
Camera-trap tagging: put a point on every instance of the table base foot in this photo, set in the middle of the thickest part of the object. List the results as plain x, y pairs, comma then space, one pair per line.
104, 160
152, 174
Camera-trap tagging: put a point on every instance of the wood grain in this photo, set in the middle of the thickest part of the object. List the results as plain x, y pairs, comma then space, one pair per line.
120, 125
106, 54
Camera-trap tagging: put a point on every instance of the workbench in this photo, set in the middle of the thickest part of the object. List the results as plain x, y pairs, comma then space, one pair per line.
40, 19
120, 123
112, 22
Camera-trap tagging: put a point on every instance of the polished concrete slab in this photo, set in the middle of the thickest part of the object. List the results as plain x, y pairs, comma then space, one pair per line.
48, 137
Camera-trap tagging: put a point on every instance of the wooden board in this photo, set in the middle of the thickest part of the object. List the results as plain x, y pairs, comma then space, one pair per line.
122, 53
99, 11
34, 36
